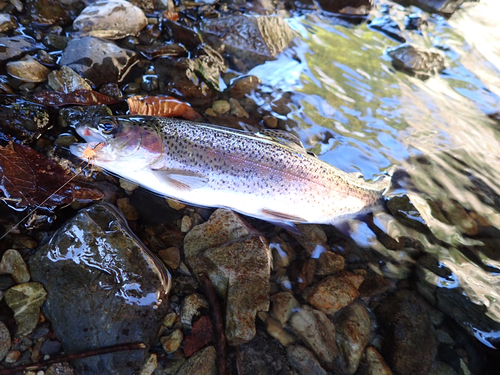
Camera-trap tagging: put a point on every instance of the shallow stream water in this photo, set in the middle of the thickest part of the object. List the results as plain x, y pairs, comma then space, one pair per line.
356, 112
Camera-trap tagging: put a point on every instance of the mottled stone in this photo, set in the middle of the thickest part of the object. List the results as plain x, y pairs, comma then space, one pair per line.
13, 264
329, 263
312, 238
186, 224
67, 80
373, 285
407, 330
127, 209
237, 110
200, 363
244, 85
283, 305
15, 46
104, 288
171, 257
282, 253
276, 330
353, 331
12, 356
376, 363
98, 60
441, 368
303, 361
237, 261
28, 70
171, 342
149, 365
110, 19
317, 332
191, 307
25, 300
60, 369
201, 336
4, 341
7, 22
336, 291
221, 107
416, 62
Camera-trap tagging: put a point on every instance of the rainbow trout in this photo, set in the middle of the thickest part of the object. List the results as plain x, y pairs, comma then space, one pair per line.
268, 175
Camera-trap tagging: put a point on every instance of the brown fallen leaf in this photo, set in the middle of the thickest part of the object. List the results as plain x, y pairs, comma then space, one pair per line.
161, 105
77, 97
28, 178
201, 336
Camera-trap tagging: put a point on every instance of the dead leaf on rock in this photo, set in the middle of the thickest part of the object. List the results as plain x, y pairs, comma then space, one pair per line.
77, 97
161, 105
28, 178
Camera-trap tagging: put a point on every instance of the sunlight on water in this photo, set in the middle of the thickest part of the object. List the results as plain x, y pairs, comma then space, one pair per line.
356, 112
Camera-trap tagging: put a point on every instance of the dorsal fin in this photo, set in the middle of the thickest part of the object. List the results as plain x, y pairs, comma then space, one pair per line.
283, 137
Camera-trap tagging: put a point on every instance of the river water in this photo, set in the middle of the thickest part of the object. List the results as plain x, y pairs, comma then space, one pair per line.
356, 112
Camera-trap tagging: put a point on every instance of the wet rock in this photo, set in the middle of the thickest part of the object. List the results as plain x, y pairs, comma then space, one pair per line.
186, 224
98, 60
7, 22
104, 288
67, 80
441, 368
16, 46
52, 12
312, 238
374, 284
303, 361
353, 331
388, 27
12, 356
149, 365
276, 330
407, 330
172, 342
443, 7
262, 356
242, 86
283, 305
201, 336
221, 107
60, 369
113, 90
110, 19
302, 272
253, 39
13, 264
317, 332
283, 253
25, 300
171, 257
270, 121
237, 261
181, 34
237, 110
416, 62
127, 209
414, 22
347, 7
329, 263
4, 341
191, 307
200, 363
376, 363
334, 292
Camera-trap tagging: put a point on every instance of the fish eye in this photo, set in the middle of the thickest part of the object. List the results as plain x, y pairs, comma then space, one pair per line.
107, 126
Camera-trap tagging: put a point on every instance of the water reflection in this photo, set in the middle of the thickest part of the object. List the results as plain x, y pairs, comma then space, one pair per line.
356, 112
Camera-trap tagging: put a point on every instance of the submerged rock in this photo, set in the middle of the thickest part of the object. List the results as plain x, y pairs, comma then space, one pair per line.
253, 39
98, 60
104, 288
387, 26
67, 80
200, 363
16, 46
110, 19
347, 7
237, 261
4, 341
13, 264
303, 361
28, 70
443, 7
416, 62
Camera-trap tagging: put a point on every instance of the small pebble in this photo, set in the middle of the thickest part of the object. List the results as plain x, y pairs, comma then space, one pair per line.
127, 209
113, 90
237, 110
171, 257
128, 186
211, 112
149, 82
176, 205
186, 224
172, 342
170, 320
131, 88
270, 121
221, 107
12, 356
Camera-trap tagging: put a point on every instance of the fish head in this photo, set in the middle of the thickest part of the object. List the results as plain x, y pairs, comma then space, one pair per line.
119, 138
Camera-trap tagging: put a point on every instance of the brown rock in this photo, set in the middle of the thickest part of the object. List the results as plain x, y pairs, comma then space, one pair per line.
171, 257
283, 305
244, 85
376, 363
312, 237
329, 263
13, 264
201, 336
200, 363
334, 292
127, 209
317, 332
302, 272
172, 342
374, 285
276, 330
303, 361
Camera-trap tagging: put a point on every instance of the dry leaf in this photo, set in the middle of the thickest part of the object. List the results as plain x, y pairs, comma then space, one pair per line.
77, 97
161, 105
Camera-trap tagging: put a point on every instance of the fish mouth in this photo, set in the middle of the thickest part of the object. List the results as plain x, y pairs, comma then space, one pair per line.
78, 149
89, 134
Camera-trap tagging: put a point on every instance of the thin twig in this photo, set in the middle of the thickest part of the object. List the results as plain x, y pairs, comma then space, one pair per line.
218, 321
71, 357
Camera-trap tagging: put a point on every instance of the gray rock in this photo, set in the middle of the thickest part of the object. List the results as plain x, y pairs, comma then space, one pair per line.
13, 264
16, 46
200, 363
443, 7
4, 341
416, 62
353, 331
317, 332
441, 368
253, 39
98, 60
347, 7
60, 369
191, 307
375, 362
104, 288
237, 261
67, 80
110, 19
25, 300
303, 361
407, 330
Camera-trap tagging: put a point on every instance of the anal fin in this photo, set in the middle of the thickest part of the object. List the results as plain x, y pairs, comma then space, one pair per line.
182, 179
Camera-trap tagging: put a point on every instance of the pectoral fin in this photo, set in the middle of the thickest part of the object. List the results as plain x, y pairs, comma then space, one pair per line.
280, 216
181, 179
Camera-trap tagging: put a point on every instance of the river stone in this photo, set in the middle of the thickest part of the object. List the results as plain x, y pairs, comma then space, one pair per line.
4, 341
407, 330
317, 332
353, 331
7, 22
28, 70
200, 363
253, 39
67, 80
15, 46
104, 287
376, 363
110, 19
335, 292
52, 12
347, 7
13, 264
98, 60
313, 239
303, 361
283, 305
443, 7
25, 300
191, 307
416, 62
237, 261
